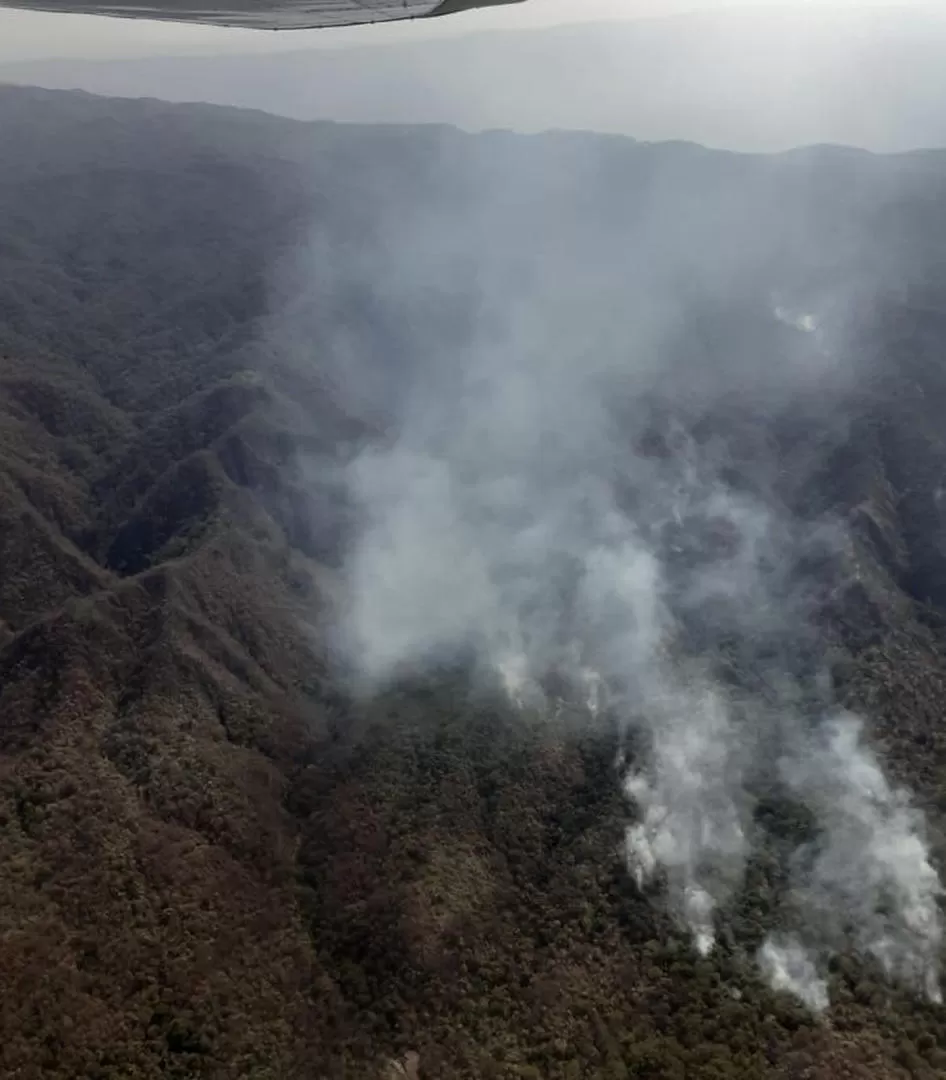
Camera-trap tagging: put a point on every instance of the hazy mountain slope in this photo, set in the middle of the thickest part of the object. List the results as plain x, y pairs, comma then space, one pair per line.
215, 862
753, 81
149, 862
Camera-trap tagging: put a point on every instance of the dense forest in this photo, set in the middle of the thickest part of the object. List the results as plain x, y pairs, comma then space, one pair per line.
219, 858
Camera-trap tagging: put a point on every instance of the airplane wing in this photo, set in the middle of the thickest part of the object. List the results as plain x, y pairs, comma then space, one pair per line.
260, 14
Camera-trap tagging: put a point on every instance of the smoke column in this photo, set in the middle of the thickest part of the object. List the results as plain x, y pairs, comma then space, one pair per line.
559, 487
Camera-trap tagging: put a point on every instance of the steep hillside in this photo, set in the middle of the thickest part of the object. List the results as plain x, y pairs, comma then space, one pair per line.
216, 859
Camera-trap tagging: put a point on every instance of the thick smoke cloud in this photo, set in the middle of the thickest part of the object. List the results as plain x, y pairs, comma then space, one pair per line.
572, 477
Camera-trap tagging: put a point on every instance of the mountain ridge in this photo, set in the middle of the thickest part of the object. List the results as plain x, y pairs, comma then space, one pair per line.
219, 860
766, 82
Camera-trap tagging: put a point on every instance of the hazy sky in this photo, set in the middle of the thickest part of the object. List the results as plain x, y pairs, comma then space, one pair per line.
28, 36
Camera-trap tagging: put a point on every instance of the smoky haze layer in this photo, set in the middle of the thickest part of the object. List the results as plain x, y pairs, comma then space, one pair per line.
595, 357
763, 80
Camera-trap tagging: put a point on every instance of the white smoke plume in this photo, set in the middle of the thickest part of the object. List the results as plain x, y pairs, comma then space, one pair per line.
540, 496
870, 874
788, 966
692, 826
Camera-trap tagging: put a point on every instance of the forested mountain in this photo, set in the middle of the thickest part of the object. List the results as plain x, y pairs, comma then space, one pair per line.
222, 856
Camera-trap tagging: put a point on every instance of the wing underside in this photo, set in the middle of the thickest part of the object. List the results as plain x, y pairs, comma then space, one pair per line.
260, 14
